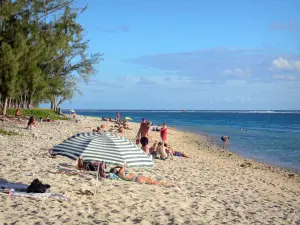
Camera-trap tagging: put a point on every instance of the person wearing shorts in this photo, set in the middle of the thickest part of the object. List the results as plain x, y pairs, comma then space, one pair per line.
144, 133
144, 141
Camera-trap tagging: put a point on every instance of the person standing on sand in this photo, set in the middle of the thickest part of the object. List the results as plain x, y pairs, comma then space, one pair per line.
143, 123
118, 116
163, 135
144, 134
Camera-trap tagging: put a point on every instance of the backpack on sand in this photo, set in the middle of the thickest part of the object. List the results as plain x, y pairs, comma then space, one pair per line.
36, 186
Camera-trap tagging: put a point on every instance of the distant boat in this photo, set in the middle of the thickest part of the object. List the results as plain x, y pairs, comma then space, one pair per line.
184, 110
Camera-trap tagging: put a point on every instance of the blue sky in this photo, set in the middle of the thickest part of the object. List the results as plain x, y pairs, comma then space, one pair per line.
192, 54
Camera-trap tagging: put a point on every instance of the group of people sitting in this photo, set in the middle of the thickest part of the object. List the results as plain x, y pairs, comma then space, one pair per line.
99, 129
164, 151
33, 123
158, 148
119, 126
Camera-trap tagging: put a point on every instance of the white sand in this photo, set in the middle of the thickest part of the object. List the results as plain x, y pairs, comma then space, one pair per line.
211, 187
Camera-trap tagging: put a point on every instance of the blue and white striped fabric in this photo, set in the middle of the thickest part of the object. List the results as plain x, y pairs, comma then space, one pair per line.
107, 147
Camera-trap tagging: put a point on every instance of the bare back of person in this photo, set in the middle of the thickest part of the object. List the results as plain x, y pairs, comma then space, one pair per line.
144, 130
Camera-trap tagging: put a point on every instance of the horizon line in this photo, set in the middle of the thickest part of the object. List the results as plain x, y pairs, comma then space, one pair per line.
185, 109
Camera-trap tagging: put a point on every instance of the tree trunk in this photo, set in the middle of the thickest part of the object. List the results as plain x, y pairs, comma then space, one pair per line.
5, 101
9, 103
60, 101
25, 102
21, 102
53, 103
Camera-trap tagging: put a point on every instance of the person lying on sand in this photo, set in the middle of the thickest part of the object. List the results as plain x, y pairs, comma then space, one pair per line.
111, 120
31, 122
126, 126
105, 119
172, 153
124, 174
121, 130
48, 119
96, 130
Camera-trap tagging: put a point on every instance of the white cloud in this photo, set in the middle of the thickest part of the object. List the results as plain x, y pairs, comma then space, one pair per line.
238, 72
291, 78
284, 64
282, 77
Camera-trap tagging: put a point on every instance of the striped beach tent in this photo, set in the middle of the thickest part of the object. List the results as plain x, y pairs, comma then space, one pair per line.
107, 147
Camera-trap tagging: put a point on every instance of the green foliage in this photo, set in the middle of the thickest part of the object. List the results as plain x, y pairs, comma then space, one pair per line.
37, 113
43, 54
5, 132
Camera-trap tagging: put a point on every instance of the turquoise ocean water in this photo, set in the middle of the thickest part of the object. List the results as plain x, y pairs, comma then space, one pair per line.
273, 136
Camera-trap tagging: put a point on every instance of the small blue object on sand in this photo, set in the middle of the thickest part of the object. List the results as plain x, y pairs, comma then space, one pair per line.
113, 176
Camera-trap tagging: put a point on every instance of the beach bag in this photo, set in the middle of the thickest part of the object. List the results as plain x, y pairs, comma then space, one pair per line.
90, 166
36, 186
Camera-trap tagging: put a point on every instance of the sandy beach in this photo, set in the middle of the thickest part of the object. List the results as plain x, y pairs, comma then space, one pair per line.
213, 186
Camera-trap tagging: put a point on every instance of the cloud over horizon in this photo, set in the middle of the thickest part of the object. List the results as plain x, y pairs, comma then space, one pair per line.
283, 64
220, 64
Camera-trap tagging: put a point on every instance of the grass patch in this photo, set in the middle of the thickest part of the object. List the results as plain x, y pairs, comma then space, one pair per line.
37, 113
5, 132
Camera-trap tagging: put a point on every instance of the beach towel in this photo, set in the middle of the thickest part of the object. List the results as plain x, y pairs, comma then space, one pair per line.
113, 176
16, 186
41, 195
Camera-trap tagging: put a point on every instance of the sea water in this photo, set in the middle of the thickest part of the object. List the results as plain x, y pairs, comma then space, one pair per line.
272, 137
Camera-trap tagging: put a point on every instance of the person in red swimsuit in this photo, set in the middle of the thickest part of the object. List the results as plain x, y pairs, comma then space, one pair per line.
163, 135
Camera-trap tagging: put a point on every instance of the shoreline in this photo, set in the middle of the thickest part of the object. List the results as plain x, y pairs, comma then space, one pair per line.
218, 149
210, 187
214, 144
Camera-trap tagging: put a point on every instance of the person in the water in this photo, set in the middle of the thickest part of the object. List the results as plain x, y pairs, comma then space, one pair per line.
225, 140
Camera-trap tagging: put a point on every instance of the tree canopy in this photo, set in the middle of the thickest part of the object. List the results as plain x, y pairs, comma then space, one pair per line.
43, 54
